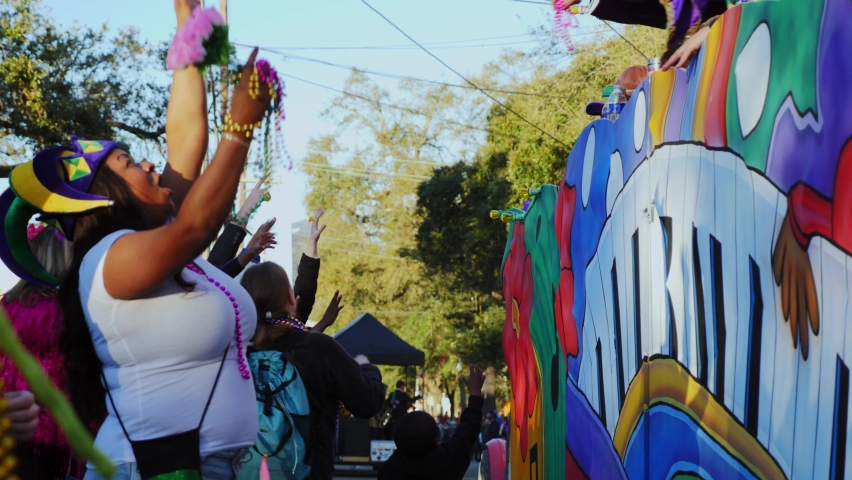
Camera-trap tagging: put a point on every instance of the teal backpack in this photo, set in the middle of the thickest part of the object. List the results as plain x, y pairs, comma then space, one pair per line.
284, 419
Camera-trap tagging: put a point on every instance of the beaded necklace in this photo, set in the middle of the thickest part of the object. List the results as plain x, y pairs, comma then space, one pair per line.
290, 322
273, 138
238, 329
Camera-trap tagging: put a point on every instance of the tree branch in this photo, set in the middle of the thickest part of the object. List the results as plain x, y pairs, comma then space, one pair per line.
143, 134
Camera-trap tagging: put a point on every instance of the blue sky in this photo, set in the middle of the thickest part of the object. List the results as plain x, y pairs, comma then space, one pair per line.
313, 23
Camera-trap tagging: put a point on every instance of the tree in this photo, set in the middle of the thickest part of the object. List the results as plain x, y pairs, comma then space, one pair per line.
534, 158
54, 82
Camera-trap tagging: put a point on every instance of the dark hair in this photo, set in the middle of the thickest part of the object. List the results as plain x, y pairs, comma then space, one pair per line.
400, 383
269, 287
416, 435
82, 363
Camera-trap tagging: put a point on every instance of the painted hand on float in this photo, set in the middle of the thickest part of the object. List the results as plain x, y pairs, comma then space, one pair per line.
794, 275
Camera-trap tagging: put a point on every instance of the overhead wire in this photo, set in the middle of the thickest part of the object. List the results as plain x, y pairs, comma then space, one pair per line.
403, 77
384, 104
506, 107
402, 47
364, 172
443, 42
625, 39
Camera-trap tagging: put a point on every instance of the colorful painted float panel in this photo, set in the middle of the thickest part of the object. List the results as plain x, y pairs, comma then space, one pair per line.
677, 306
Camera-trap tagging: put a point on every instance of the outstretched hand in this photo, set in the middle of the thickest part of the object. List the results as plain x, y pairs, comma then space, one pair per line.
690, 47
246, 110
316, 232
793, 273
474, 381
251, 201
331, 313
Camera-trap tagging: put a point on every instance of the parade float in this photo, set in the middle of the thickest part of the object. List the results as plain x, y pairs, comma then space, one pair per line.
677, 306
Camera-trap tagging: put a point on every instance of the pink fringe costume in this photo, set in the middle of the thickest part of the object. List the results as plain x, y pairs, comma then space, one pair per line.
39, 327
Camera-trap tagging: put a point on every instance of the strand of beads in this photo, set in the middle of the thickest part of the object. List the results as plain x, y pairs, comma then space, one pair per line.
564, 20
254, 84
231, 126
290, 322
8, 462
238, 328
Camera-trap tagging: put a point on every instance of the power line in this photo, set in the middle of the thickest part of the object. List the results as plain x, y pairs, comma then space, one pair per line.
401, 47
482, 39
531, 1
406, 77
626, 40
388, 105
465, 78
355, 252
361, 171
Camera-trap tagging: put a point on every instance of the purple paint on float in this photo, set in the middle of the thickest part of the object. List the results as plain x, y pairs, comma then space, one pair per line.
675, 113
526, 206
810, 154
587, 439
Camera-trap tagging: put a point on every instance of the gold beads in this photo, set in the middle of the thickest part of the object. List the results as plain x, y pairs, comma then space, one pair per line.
8, 462
231, 126
254, 85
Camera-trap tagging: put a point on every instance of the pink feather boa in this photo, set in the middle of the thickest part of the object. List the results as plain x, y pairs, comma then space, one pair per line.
187, 48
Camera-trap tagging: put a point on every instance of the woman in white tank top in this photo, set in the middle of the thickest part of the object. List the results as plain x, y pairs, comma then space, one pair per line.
145, 315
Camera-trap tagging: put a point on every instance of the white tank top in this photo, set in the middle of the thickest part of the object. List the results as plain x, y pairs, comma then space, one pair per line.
161, 353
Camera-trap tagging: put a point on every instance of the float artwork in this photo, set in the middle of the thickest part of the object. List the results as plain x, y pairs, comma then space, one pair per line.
677, 306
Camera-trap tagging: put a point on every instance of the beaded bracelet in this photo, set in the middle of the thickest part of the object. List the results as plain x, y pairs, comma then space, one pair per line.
231, 126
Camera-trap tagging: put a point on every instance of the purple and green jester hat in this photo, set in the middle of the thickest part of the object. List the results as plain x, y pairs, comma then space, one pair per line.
56, 185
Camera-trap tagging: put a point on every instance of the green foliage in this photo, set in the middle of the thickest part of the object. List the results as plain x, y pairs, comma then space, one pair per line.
534, 158
55, 82
409, 238
454, 206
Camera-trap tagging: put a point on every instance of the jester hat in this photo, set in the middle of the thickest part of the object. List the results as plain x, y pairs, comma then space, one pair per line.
56, 185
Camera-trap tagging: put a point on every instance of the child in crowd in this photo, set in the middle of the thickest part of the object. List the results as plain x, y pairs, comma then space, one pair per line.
329, 374
419, 455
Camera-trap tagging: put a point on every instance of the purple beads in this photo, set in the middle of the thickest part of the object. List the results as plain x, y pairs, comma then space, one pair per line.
238, 328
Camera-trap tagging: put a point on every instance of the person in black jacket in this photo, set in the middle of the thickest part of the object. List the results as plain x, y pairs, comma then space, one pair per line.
329, 374
228, 243
418, 454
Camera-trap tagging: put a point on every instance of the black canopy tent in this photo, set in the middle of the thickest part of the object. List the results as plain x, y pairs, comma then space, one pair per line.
367, 336
357, 442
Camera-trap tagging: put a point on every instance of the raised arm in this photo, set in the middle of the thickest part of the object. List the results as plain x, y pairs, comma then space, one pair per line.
186, 122
158, 254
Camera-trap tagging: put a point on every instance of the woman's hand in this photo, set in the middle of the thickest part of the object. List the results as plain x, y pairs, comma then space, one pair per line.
262, 240
316, 232
793, 273
331, 313
22, 411
251, 201
474, 381
690, 47
246, 110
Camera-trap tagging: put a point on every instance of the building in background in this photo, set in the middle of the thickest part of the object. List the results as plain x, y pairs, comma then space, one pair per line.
300, 233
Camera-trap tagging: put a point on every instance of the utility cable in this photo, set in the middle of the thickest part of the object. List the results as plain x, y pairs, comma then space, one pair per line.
387, 105
626, 40
465, 78
404, 77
